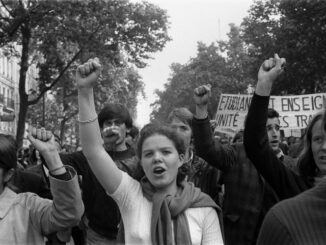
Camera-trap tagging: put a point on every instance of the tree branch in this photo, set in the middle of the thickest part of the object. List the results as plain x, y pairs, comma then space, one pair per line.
4, 5
32, 102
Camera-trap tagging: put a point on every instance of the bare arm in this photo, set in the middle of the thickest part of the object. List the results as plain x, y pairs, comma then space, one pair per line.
101, 163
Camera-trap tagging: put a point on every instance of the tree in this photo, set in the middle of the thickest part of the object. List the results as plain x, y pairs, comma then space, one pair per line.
295, 30
118, 85
59, 35
224, 65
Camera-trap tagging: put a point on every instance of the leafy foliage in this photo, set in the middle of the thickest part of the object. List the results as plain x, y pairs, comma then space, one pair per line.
223, 65
295, 30
59, 35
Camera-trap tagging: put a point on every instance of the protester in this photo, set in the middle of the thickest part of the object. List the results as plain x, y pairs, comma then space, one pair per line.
26, 218
198, 170
247, 196
147, 207
131, 137
311, 167
299, 220
41, 170
102, 216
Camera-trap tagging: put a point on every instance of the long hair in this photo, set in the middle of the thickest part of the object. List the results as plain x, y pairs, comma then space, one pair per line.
306, 163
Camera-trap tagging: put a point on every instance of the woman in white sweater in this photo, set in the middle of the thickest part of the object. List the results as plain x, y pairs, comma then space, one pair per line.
160, 209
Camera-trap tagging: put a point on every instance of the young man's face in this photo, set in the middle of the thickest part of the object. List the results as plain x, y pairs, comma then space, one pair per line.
114, 134
274, 133
183, 129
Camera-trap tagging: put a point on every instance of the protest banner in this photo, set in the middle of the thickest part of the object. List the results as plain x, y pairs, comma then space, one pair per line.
295, 110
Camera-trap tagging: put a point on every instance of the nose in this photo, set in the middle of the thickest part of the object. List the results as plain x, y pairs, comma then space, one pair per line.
157, 157
323, 145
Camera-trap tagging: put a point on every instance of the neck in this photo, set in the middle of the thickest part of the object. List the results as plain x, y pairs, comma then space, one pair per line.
119, 147
169, 190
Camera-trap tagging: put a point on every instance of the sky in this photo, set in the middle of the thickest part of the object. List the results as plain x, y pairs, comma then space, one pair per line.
191, 21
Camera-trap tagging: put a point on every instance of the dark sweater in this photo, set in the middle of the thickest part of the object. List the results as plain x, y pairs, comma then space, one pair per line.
299, 220
285, 182
247, 197
101, 210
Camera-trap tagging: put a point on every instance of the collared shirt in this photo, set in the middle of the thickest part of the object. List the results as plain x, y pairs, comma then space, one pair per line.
26, 218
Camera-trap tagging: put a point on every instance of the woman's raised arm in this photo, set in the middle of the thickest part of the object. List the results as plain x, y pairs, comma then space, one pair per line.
100, 162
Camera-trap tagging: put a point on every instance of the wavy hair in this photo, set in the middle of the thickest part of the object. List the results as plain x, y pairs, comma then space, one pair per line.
161, 129
306, 163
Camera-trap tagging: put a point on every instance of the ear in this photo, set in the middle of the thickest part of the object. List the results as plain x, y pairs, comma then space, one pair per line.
182, 159
8, 175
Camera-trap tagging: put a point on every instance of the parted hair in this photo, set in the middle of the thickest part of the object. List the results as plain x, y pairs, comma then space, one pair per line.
115, 111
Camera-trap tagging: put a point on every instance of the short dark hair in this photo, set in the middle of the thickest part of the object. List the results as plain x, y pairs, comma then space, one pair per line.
114, 111
181, 113
272, 113
8, 152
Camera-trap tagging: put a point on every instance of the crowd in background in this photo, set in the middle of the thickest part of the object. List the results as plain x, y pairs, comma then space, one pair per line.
173, 182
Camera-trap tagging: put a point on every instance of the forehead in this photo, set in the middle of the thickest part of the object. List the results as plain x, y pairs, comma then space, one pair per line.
111, 120
273, 121
178, 122
157, 141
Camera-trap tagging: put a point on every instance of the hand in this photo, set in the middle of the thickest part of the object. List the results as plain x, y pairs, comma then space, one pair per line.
271, 69
88, 73
44, 142
202, 95
42, 139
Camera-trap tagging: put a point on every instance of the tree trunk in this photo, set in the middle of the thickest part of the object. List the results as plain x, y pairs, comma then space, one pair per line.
26, 35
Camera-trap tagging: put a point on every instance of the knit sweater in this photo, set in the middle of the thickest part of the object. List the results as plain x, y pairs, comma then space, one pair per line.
299, 220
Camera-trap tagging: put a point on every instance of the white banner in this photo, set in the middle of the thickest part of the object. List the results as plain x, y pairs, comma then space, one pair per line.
295, 110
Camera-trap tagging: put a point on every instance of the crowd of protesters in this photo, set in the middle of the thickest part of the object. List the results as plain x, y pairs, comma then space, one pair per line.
173, 182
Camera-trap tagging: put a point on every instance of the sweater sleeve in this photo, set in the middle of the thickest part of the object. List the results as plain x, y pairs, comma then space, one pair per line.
212, 230
64, 211
218, 156
273, 231
284, 181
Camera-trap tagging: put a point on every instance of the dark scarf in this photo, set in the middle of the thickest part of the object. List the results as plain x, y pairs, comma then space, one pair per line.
167, 209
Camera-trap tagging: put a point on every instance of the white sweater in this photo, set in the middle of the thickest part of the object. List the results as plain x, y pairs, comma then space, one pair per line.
136, 213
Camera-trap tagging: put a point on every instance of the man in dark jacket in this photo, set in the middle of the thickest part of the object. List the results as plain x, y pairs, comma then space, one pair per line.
247, 196
196, 169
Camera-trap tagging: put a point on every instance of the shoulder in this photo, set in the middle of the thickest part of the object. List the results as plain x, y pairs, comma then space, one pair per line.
200, 214
288, 210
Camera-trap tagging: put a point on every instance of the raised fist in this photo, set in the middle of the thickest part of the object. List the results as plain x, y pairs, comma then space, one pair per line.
88, 73
271, 69
42, 139
202, 94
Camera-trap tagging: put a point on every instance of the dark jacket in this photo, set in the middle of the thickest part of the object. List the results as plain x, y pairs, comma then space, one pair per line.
101, 210
205, 177
247, 196
284, 181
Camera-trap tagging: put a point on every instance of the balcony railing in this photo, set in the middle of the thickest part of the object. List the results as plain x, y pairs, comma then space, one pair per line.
11, 103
